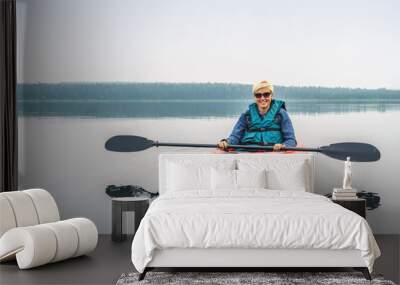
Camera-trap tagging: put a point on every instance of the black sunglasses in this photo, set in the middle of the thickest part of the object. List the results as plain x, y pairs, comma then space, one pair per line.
265, 95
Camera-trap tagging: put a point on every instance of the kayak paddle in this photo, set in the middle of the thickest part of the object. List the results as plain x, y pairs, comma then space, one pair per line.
359, 152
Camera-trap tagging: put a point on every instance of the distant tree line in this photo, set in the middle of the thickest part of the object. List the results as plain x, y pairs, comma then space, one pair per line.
189, 91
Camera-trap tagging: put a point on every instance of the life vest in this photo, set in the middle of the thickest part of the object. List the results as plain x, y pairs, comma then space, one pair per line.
263, 130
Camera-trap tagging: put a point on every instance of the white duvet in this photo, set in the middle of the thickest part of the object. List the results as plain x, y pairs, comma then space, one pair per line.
253, 218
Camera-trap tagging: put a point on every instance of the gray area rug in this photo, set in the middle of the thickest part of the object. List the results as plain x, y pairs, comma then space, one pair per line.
229, 278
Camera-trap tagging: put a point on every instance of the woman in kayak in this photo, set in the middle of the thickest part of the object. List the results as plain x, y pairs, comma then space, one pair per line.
266, 122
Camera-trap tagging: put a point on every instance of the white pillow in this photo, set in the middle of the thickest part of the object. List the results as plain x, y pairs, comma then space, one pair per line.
225, 179
193, 175
183, 178
251, 178
291, 179
290, 174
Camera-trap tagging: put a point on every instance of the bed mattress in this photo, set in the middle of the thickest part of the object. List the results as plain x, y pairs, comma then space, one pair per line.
250, 219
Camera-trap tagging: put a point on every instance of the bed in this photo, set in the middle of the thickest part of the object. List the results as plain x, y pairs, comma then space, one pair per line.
247, 210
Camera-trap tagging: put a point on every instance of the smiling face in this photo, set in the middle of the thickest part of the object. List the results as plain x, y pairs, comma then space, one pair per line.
263, 101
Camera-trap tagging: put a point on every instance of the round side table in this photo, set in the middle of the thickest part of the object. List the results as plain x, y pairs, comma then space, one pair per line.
119, 205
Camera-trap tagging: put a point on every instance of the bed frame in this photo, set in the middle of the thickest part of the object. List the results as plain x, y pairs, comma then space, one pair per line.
248, 259
262, 259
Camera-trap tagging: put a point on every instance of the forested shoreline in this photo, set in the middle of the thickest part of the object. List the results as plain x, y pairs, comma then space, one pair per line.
190, 92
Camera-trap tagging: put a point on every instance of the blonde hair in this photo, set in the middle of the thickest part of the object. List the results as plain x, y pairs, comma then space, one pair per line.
262, 84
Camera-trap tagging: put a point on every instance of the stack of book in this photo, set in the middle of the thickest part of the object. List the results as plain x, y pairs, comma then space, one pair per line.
344, 194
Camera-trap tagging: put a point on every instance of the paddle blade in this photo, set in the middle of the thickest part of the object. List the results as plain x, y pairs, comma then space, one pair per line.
361, 152
128, 143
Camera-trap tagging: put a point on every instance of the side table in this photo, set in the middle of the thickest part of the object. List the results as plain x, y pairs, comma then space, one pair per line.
119, 205
357, 205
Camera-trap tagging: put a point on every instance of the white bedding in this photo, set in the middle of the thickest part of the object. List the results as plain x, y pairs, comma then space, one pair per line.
251, 218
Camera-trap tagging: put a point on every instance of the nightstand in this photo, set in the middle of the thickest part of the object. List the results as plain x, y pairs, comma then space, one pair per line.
119, 205
358, 205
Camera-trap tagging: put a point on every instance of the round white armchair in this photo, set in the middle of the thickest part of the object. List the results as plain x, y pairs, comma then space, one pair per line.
31, 230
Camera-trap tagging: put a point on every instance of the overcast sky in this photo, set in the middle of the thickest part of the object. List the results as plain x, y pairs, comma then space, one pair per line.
304, 43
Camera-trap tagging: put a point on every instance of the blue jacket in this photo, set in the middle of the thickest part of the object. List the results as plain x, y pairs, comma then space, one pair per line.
264, 129
281, 118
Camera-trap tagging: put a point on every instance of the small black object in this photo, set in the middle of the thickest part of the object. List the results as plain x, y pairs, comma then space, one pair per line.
143, 274
372, 199
364, 271
128, 191
360, 152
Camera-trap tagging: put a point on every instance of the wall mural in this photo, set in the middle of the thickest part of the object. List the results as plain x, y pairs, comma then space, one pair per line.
166, 71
